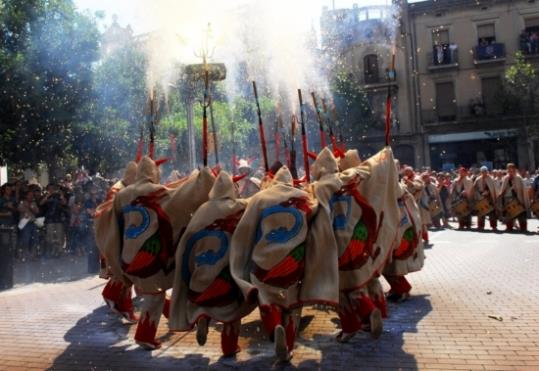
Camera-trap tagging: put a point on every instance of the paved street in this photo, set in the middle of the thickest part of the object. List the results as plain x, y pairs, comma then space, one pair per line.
468, 277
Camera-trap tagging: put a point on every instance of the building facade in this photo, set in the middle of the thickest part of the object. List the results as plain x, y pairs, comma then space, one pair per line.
361, 41
451, 58
460, 51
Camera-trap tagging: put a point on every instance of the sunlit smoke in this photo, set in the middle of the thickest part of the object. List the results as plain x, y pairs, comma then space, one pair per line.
275, 40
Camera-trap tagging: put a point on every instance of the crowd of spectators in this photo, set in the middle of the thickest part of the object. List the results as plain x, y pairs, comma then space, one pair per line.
53, 221
444, 181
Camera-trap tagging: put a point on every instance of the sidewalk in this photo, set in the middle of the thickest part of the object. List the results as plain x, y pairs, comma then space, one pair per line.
445, 325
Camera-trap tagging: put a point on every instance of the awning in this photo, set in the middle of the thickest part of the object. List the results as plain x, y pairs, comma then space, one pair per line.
472, 135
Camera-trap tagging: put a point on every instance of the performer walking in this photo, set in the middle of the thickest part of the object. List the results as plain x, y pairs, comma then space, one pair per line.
116, 293
203, 287
514, 199
485, 199
416, 187
267, 256
365, 219
461, 193
144, 226
408, 254
431, 197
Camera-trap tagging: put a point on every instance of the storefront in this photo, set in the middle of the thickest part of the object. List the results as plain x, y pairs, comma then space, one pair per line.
493, 149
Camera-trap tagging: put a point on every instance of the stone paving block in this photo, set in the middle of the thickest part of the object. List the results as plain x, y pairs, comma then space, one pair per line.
63, 325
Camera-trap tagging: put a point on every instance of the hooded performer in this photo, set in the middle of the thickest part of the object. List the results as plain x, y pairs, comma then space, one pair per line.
513, 190
145, 225
364, 222
408, 255
416, 187
461, 191
203, 287
267, 256
485, 188
117, 295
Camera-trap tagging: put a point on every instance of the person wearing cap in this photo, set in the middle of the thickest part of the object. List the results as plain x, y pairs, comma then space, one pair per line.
484, 187
461, 189
513, 189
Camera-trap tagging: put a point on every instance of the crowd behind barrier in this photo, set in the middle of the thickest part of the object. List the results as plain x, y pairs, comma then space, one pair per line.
56, 220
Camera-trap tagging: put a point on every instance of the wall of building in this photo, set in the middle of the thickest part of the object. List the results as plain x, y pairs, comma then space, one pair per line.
351, 35
461, 19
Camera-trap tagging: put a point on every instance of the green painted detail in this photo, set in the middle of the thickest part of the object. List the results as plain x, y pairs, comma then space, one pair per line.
360, 232
299, 252
152, 245
409, 234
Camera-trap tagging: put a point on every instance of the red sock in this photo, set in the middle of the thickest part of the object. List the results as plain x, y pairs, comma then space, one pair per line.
166, 308
146, 330
112, 292
229, 338
381, 304
290, 333
349, 321
271, 317
399, 284
425, 234
365, 308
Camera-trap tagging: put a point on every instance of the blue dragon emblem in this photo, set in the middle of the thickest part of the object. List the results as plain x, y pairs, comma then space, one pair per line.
280, 234
133, 231
208, 257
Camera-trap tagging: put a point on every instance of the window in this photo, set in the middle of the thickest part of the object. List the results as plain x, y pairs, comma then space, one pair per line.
529, 38
446, 108
442, 50
370, 63
491, 87
486, 34
440, 36
531, 22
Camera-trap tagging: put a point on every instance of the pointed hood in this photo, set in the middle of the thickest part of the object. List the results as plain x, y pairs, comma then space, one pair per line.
147, 171
325, 164
283, 176
351, 159
223, 187
130, 173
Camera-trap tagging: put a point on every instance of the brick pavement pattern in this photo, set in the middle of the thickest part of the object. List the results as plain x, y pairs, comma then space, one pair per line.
445, 325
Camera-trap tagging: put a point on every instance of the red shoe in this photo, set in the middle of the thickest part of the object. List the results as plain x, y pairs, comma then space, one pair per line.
145, 335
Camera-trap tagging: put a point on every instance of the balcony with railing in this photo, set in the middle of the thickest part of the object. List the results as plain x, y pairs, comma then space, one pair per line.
529, 42
377, 81
475, 111
442, 57
489, 53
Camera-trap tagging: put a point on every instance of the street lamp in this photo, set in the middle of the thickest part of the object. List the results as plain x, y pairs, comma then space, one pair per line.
194, 73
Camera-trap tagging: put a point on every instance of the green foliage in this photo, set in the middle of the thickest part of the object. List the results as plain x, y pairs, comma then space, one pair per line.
521, 81
64, 104
46, 52
356, 114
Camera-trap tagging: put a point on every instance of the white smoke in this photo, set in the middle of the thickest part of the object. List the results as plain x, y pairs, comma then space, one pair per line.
276, 39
